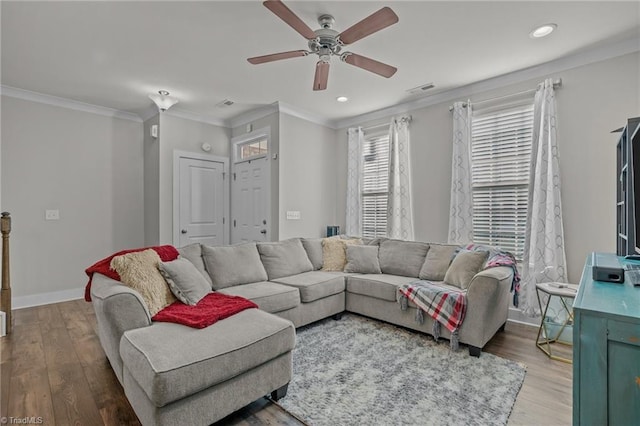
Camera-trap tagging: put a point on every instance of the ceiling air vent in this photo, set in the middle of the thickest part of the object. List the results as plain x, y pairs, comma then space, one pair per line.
225, 103
421, 89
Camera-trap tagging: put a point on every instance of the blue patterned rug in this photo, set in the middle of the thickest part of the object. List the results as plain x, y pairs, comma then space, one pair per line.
358, 371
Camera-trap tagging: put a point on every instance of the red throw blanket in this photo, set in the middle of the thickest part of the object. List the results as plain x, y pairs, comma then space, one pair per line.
212, 308
167, 253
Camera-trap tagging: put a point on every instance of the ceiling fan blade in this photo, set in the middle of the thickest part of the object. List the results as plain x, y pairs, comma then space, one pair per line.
322, 75
369, 25
277, 56
369, 64
284, 13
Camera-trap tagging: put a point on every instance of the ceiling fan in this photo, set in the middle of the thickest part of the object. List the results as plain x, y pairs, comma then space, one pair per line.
326, 42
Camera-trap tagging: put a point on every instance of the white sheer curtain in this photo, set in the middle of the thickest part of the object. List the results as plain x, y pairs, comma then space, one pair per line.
544, 255
400, 207
461, 205
354, 175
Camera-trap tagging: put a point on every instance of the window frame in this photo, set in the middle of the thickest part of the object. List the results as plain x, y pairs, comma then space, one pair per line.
500, 157
374, 186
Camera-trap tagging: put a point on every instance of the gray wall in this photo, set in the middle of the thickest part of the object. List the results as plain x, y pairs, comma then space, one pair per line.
273, 122
593, 100
151, 183
307, 179
86, 165
185, 135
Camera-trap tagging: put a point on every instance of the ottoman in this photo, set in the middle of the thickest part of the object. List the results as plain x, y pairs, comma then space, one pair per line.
173, 374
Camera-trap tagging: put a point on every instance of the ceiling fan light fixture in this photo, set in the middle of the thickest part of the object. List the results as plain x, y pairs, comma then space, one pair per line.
542, 30
342, 99
163, 100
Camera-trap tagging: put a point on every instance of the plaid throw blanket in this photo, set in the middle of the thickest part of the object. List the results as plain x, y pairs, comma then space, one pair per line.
445, 305
500, 258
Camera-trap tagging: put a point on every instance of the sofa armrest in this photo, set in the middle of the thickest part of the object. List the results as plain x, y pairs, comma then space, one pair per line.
118, 309
487, 304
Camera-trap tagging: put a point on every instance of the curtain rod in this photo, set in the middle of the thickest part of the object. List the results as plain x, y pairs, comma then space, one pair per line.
556, 84
379, 126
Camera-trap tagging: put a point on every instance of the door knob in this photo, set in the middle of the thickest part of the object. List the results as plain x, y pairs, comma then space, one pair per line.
184, 231
264, 232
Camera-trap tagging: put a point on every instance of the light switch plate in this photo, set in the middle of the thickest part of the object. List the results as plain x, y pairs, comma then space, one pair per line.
293, 215
52, 215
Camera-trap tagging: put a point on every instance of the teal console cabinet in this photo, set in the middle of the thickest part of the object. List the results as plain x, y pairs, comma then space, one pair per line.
606, 352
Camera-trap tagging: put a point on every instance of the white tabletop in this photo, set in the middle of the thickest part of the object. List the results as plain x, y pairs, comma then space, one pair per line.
558, 289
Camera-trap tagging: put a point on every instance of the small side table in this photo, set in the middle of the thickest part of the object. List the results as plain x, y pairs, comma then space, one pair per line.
562, 291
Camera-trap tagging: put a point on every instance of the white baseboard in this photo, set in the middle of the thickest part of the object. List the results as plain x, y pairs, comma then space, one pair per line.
516, 316
19, 302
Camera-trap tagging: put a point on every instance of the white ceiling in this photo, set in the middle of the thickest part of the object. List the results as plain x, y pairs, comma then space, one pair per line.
114, 53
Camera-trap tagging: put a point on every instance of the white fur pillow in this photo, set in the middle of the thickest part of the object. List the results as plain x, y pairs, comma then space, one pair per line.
139, 271
334, 254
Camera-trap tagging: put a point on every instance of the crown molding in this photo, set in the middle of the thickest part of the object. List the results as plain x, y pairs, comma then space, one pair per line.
252, 115
598, 54
305, 115
28, 95
193, 116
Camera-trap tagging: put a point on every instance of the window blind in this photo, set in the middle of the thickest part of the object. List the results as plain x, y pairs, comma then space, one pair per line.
375, 186
500, 165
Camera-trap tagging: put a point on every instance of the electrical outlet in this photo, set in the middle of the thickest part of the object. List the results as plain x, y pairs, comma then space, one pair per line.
52, 215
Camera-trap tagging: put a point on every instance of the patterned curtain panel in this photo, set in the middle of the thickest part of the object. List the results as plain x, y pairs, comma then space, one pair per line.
354, 175
544, 255
400, 207
461, 206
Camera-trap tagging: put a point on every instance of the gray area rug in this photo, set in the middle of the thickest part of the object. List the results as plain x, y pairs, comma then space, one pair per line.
358, 371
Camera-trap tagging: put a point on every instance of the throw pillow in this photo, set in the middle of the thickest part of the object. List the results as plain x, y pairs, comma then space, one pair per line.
284, 258
233, 265
464, 266
193, 253
139, 271
437, 262
334, 253
313, 247
405, 258
185, 281
362, 259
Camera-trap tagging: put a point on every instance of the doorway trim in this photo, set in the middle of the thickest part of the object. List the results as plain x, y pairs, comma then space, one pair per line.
177, 155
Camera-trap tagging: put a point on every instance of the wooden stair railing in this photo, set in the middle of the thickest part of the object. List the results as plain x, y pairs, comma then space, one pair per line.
5, 292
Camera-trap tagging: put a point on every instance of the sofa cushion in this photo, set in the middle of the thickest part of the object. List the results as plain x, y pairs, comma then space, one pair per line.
139, 271
313, 247
315, 285
185, 281
464, 266
171, 361
362, 259
404, 258
380, 286
193, 253
284, 258
233, 265
270, 297
334, 255
437, 262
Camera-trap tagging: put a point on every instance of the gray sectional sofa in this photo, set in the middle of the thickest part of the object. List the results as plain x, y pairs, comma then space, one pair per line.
173, 374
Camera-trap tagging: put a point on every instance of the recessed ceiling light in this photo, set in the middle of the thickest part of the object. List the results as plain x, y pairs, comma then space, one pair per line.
342, 99
542, 30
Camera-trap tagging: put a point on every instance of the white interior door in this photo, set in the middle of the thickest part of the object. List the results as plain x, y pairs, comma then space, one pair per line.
201, 202
250, 201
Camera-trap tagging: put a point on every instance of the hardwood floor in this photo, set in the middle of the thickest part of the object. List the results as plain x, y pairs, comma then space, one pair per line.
52, 366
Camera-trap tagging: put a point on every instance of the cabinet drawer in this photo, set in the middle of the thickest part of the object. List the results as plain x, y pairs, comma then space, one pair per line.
624, 332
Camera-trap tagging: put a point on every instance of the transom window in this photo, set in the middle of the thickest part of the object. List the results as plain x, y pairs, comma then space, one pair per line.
500, 166
252, 149
375, 185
